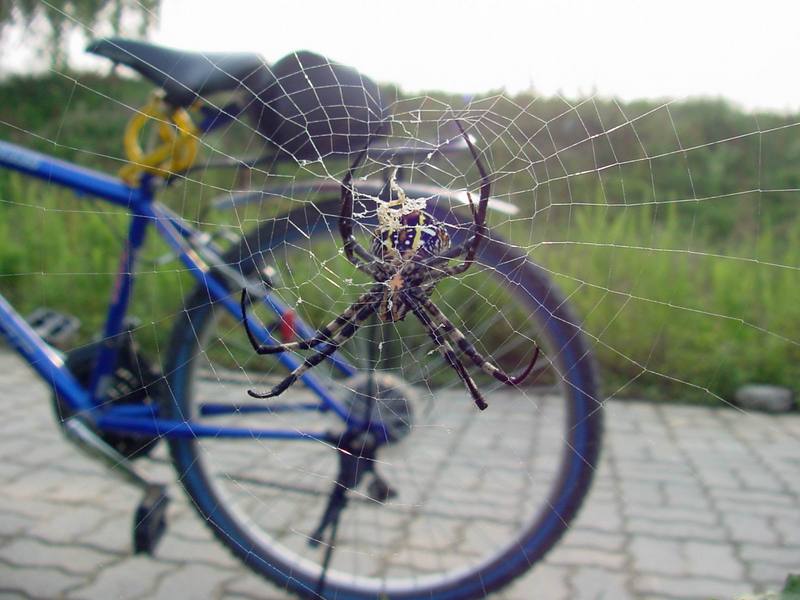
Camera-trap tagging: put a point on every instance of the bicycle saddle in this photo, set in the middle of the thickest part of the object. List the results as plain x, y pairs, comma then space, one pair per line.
312, 107
182, 75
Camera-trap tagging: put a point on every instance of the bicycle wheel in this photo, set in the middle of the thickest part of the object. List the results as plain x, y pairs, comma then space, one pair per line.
480, 496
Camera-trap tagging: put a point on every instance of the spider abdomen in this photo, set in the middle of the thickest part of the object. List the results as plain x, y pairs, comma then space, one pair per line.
416, 235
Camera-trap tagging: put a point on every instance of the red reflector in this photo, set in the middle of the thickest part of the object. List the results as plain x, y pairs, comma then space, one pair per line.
287, 326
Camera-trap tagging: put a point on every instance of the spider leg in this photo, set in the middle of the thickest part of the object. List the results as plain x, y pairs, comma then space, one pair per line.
448, 353
460, 340
479, 215
434, 273
355, 252
324, 334
372, 269
470, 246
370, 264
345, 333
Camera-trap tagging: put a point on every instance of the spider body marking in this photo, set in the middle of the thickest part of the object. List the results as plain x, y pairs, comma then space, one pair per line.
400, 246
418, 236
410, 253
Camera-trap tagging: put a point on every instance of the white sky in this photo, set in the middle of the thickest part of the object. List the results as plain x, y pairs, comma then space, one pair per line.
747, 52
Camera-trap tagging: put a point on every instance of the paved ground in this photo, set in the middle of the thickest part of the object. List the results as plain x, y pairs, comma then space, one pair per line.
688, 503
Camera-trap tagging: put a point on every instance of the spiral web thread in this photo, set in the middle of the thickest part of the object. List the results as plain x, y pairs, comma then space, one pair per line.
618, 204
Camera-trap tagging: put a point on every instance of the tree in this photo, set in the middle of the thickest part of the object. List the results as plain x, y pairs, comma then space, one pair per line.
53, 21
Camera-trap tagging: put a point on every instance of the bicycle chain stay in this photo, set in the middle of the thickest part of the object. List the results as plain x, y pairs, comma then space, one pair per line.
177, 135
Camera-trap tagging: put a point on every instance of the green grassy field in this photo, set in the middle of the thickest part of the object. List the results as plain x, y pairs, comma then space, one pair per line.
672, 227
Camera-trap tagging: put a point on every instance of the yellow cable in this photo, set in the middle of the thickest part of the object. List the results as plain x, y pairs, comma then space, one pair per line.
176, 151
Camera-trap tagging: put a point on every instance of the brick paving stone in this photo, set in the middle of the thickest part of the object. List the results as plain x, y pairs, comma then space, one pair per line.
641, 492
209, 552
712, 560
749, 528
693, 588
26, 552
673, 529
589, 583
192, 581
766, 510
688, 502
251, 587
189, 527
654, 555
487, 533
605, 494
690, 496
570, 555
40, 456
425, 561
601, 515
657, 475
34, 510
748, 498
787, 528
786, 555
719, 478
664, 513
756, 479
113, 536
544, 580
10, 471
35, 483
13, 524
70, 523
770, 574
132, 577
37, 582
587, 538
95, 483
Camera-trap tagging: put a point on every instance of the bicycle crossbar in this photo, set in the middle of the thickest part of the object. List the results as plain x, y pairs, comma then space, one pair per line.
202, 262
77, 178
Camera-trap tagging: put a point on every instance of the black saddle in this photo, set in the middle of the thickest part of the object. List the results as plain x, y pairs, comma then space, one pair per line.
312, 107
305, 105
184, 76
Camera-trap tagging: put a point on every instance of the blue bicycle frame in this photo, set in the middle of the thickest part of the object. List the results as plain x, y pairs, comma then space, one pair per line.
182, 238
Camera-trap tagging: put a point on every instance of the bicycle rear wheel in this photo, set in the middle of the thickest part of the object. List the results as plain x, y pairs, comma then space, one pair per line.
481, 496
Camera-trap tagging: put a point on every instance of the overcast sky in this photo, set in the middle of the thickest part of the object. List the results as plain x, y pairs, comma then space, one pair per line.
745, 51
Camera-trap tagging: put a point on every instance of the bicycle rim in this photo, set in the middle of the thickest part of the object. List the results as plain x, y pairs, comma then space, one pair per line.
480, 495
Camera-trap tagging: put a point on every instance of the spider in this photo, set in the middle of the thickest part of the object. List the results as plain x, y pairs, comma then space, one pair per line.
410, 253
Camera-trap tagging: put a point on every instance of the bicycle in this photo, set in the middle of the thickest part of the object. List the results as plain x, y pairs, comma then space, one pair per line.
425, 473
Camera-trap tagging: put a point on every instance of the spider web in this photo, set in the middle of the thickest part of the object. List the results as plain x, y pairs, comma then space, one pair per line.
664, 227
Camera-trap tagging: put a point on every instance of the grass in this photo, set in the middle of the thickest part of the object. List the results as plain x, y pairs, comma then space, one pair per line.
675, 320
684, 266
62, 252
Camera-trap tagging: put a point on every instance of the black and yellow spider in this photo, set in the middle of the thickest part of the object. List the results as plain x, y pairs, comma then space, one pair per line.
410, 253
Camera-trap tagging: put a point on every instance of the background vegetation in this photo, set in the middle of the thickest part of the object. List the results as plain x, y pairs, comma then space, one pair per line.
55, 21
671, 226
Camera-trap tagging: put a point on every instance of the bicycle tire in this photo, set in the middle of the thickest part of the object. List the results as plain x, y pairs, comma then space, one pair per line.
569, 359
